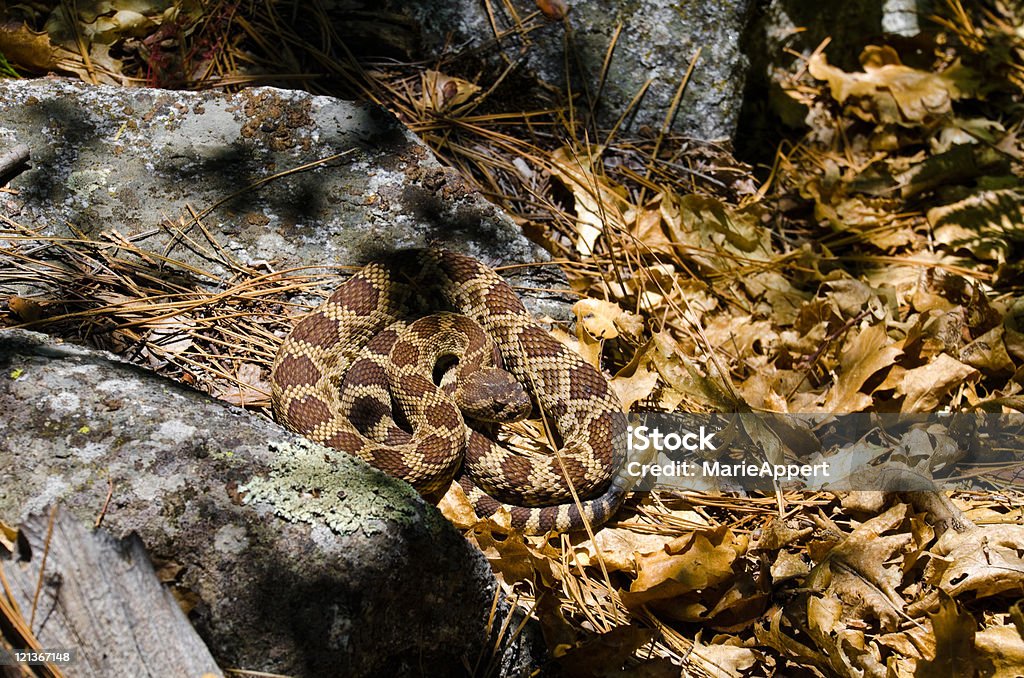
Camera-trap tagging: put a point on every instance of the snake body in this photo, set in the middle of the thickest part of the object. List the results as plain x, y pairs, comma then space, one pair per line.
359, 375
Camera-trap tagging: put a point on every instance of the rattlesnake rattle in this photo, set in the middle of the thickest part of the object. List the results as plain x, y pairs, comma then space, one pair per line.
329, 383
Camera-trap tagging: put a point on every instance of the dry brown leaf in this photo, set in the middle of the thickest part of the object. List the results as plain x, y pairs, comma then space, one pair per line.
640, 385
876, 548
875, 220
866, 354
251, 390
741, 336
775, 637
457, 508
619, 547
986, 224
1000, 652
765, 387
718, 236
988, 354
961, 164
926, 386
606, 320
22, 46
442, 92
788, 566
606, 655
513, 558
778, 534
1017, 617
8, 536
598, 203
889, 92
1013, 325
171, 336
909, 645
986, 560
107, 29
850, 653
850, 296
649, 224
863, 600
556, 10
724, 660
825, 615
943, 291
27, 310
685, 377
953, 633
638, 380
736, 607
706, 560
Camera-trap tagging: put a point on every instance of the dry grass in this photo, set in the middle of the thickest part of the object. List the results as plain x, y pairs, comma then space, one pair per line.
216, 332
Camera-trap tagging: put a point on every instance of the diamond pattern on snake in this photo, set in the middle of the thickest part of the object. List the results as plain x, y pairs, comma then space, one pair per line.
419, 397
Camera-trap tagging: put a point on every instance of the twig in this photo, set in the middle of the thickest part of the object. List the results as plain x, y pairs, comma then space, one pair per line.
13, 159
106, 503
42, 565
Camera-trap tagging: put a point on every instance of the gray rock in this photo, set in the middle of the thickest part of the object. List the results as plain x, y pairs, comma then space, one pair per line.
298, 561
141, 162
657, 42
801, 25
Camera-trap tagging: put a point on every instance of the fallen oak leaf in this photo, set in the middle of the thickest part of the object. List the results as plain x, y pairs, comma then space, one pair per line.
870, 352
598, 203
875, 544
724, 660
606, 654
251, 388
985, 559
1000, 650
27, 310
606, 320
769, 632
925, 386
690, 563
953, 632
619, 547
26, 48
889, 92
638, 380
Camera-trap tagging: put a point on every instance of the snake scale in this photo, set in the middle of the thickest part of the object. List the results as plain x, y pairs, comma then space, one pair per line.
359, 374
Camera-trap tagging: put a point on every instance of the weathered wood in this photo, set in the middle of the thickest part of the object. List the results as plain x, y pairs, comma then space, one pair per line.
100, 598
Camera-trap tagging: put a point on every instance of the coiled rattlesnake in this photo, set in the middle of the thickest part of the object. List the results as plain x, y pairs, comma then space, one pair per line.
330, 383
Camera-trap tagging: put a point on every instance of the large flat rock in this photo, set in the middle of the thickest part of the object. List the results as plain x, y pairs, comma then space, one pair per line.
293, 560
277, 176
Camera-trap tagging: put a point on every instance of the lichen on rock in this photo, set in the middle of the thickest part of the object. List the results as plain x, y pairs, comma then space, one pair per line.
312, 484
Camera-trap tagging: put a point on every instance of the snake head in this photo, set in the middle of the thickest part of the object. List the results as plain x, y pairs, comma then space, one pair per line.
492, 394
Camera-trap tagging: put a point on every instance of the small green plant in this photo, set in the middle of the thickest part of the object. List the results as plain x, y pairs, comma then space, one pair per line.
6, 70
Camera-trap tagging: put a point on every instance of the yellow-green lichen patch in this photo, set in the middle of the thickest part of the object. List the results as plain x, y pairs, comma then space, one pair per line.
314, 484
